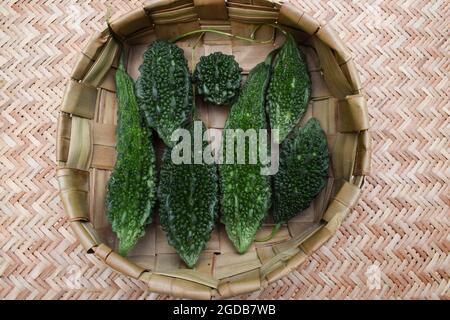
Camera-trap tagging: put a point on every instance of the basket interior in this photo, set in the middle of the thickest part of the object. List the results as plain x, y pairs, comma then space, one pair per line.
153, 251
220, 267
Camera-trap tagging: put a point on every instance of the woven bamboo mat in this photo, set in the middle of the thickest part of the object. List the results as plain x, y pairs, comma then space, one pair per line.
394, 244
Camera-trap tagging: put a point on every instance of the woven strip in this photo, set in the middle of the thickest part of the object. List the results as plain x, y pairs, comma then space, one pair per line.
397, 233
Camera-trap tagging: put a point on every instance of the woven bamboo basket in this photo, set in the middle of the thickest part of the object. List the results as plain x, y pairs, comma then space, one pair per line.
86, 142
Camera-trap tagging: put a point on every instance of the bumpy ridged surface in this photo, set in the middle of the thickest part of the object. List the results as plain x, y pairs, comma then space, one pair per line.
164, 89
302, 172
245, 197
289, 89
188, 205
132, 185
218, 78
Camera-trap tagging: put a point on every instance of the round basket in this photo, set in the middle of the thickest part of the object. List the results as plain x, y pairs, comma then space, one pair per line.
86, 141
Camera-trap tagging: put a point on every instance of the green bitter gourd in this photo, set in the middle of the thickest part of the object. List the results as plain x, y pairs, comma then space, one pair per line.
188, 204
302, 171
164, 89
131, 190
245, 192
218, 78
289, 89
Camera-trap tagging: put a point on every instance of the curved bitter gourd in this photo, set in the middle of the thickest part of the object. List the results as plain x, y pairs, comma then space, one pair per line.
245, 193
289, 89
188, 205
302, 171
131, 189
164, 89
218, 78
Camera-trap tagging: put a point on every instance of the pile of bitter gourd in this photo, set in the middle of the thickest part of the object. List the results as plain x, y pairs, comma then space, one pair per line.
190, 196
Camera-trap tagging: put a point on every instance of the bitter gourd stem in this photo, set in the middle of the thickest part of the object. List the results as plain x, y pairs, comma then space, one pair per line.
271, 56
187, 34
275, 26
193, 49
270, 236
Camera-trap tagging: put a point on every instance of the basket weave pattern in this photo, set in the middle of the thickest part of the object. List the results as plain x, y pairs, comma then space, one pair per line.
99, 131
86, 140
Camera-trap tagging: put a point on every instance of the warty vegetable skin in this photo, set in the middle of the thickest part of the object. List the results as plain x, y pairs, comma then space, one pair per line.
218, 78
164, 89
289, 89
302, 172
131, 189
188, 204
245, 193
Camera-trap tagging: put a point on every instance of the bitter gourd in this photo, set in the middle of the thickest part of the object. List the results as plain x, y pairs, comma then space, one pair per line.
218, 78
131, 190
302, 171
188, 204
164, 89
245, 192
289, 89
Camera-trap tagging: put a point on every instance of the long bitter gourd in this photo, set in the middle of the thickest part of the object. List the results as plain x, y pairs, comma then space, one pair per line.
245, 192
188, 204
164, 89
289, 89
131, 189
302, 171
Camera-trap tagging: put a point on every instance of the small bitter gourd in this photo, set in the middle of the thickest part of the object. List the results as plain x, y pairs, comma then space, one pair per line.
302, 171
188, 204
164, 89
218, 78
131, 189
245, 193
289, 89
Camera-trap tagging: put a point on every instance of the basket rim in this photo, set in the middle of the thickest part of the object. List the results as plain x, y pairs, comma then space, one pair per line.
88, 74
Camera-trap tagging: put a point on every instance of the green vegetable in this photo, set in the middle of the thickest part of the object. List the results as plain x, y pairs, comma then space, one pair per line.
188, 204
302, 171
164, 89
218, 78
245, 192
131, 187
289, 89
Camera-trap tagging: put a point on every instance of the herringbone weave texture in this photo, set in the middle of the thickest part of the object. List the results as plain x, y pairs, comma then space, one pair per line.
394, 244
